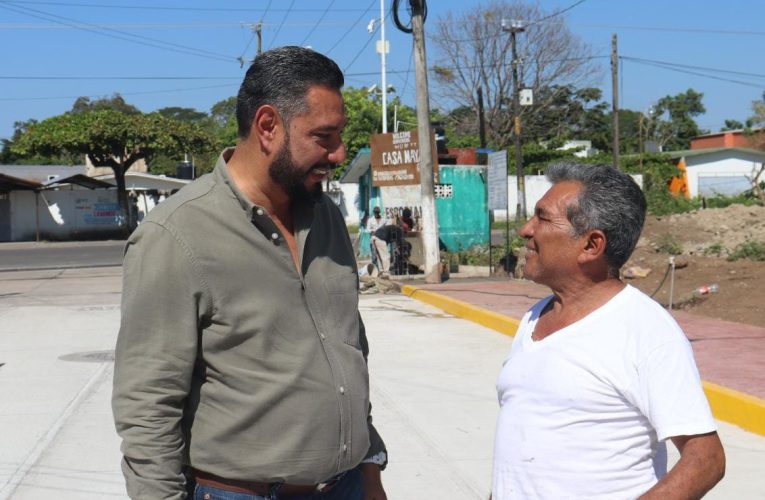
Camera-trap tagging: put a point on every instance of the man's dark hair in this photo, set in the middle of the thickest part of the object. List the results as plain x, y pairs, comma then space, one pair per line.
611, 201
281, 77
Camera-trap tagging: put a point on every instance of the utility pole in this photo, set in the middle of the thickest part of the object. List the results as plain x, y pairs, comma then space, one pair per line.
259, 31
429, 215
520, 209
481, 120
615, 98
383, 48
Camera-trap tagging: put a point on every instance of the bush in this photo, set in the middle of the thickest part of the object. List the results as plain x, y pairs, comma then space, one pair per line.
752, 250
716, 249
666, 243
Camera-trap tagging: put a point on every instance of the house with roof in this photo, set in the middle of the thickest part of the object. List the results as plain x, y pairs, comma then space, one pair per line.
43, 202
720, 170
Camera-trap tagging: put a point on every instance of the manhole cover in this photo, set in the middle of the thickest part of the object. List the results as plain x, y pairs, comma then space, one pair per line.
89, 357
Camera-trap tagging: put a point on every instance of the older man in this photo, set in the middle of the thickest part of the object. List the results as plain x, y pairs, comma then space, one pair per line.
241, 358
599, 375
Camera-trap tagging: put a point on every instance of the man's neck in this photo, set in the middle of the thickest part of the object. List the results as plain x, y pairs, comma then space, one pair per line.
249, 171
573, 302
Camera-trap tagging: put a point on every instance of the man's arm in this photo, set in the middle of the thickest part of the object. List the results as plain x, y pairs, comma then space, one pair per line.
377, 456
701, 466
154, 359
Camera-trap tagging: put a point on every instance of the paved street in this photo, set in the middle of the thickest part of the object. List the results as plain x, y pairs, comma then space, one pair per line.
432, 389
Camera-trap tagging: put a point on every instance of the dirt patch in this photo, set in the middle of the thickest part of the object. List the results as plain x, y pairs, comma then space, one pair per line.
702, 240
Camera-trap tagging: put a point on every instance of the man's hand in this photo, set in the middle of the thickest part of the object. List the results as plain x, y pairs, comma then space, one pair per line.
373, 488
701, 466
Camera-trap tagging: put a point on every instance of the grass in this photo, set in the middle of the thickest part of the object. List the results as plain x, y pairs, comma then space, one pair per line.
666, 243
752, 250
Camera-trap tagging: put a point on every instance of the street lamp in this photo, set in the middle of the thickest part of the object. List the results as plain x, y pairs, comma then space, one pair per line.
382, 49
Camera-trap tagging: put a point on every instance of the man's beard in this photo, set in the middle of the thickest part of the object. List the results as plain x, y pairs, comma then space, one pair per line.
291, 179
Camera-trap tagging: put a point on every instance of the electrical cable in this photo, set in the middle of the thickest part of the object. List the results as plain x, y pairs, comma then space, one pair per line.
317, 23
352, 27
554, 14
407, 28
98, 96
157, 7
286, 15
182, 49
687, 72
254, 34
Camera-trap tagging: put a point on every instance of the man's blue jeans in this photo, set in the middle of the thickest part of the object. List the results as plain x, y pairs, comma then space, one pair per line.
350, 487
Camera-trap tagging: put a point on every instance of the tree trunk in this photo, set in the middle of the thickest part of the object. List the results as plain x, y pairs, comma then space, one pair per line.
126, 215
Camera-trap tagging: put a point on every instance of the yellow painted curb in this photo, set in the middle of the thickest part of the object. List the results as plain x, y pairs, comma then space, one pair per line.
739, 408
495, 321
728, 405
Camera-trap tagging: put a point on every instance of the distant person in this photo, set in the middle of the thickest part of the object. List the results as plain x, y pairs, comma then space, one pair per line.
405, 221
599, 375
382, 238
240, 368
373, 224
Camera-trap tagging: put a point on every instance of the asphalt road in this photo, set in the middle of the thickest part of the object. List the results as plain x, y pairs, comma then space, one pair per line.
27, 256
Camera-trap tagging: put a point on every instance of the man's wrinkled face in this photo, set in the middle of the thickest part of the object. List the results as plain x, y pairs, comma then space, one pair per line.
551, 247
312, 146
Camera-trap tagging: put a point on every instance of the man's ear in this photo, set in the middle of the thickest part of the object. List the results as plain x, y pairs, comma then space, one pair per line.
265, 126
594, 246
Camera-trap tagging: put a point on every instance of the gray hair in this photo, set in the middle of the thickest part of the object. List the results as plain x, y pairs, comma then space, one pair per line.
610, 201
281, 77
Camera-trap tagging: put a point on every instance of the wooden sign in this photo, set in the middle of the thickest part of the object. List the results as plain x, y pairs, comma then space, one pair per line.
395, 159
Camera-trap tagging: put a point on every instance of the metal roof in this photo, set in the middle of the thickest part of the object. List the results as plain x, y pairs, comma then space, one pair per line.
688, 153
358, 167
80, 180
10, 183
41, 173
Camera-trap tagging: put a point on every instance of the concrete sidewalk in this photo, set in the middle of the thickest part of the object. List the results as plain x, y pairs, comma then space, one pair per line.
432, 382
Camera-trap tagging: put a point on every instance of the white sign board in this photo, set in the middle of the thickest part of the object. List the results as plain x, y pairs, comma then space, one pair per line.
497, 180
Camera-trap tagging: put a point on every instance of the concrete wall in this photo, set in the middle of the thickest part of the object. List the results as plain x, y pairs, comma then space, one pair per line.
731, 171
64, 215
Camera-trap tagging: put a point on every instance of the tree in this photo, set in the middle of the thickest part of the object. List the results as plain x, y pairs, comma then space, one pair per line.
116, 103
188, 115
114, 139
473, 51
674, 125
364, 113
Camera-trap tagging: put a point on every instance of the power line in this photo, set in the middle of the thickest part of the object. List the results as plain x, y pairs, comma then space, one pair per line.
369, 7
716, 70
695, 73
286, 15
157, 7
17, 26
96, 96
321, 18
254, 32
703, 31
580, 2
125, 36
371, 37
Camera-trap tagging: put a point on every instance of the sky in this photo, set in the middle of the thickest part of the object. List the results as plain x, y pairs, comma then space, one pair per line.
187, 53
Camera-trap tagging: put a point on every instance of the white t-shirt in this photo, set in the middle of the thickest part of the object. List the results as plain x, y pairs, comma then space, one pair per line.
585, 411
374, 224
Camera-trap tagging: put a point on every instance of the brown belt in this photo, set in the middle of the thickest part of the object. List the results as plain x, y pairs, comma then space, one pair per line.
256, 488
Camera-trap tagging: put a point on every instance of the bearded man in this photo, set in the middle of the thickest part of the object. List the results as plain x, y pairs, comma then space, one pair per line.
241, 359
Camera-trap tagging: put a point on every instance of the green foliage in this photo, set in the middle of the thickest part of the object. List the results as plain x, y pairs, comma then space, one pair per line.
752, 250
112, 138
676, 132
188, 115
115, 103
747, 198
716, 249
364, 112
667, 243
